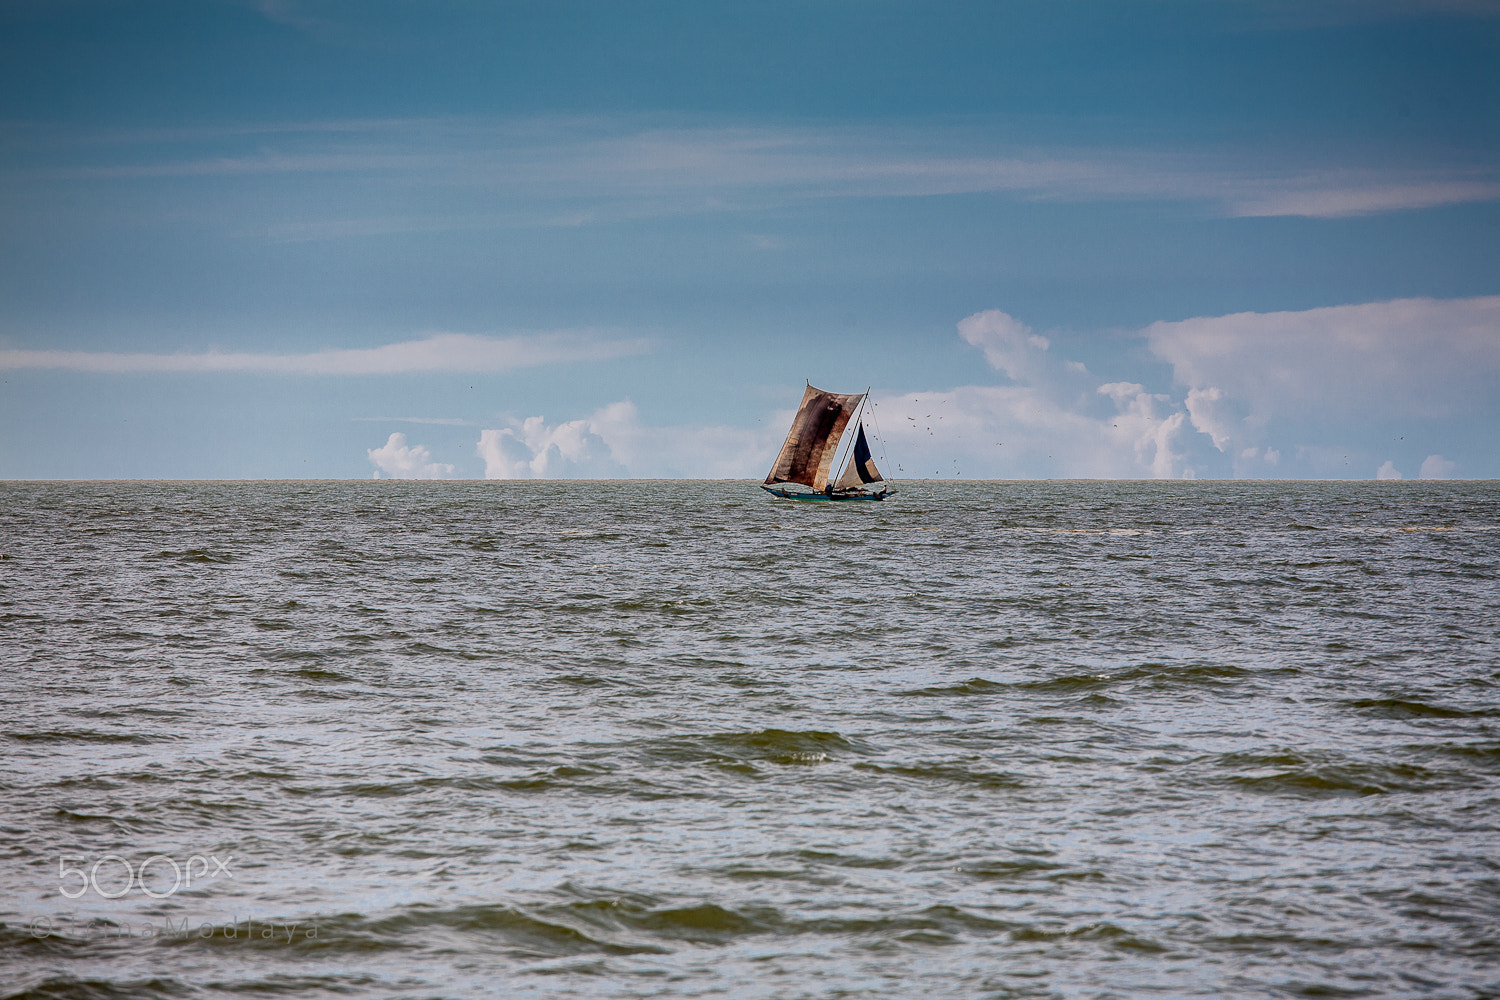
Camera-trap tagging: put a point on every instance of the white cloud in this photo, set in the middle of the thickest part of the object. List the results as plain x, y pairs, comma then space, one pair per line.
1387, 471
1332, 373
1248, 377
1436, 467
979, 431
613, 443
1408, 358
1008, 344
1419, 358
440, 352
1059, 421
1208, 416
696, 452
399, 461
533, 450
1152, 434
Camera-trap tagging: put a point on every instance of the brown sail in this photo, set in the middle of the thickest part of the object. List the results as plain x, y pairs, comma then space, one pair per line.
860, 469
807, 454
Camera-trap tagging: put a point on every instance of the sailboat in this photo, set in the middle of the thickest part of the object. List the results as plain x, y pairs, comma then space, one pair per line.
807, 455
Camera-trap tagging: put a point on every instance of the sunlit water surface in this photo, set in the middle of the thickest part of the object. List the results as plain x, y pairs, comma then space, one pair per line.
1067, 739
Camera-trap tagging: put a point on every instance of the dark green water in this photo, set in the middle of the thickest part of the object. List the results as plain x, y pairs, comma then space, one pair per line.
681, 740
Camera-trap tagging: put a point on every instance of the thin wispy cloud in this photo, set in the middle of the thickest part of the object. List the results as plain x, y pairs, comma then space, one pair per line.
439, 421
568, 172
442, 352
1332, 198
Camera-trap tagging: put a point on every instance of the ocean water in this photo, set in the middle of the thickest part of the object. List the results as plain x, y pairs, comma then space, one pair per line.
677, 739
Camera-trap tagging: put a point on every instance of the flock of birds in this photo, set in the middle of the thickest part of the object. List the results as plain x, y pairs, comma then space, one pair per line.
928, 429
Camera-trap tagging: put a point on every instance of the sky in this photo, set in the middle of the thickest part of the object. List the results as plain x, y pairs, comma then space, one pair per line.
453, 239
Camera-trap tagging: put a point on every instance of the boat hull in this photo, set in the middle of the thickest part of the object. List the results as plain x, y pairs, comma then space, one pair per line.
861, 497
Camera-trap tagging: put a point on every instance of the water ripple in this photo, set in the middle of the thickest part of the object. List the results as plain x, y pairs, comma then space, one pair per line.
1044, 740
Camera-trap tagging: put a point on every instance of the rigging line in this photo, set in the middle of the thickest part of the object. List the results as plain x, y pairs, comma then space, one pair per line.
875, 422
868, 406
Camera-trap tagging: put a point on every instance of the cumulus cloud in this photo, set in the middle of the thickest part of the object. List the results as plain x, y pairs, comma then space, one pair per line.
979, 431
439, 352
1436, 467
1416, 358
1008, 344
534, 450
1207, 413
1326, 375
398, 460
1151, 433
1244, 380
1057, 421
614, 443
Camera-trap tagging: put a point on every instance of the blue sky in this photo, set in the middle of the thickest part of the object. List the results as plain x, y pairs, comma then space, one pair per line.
319, 239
